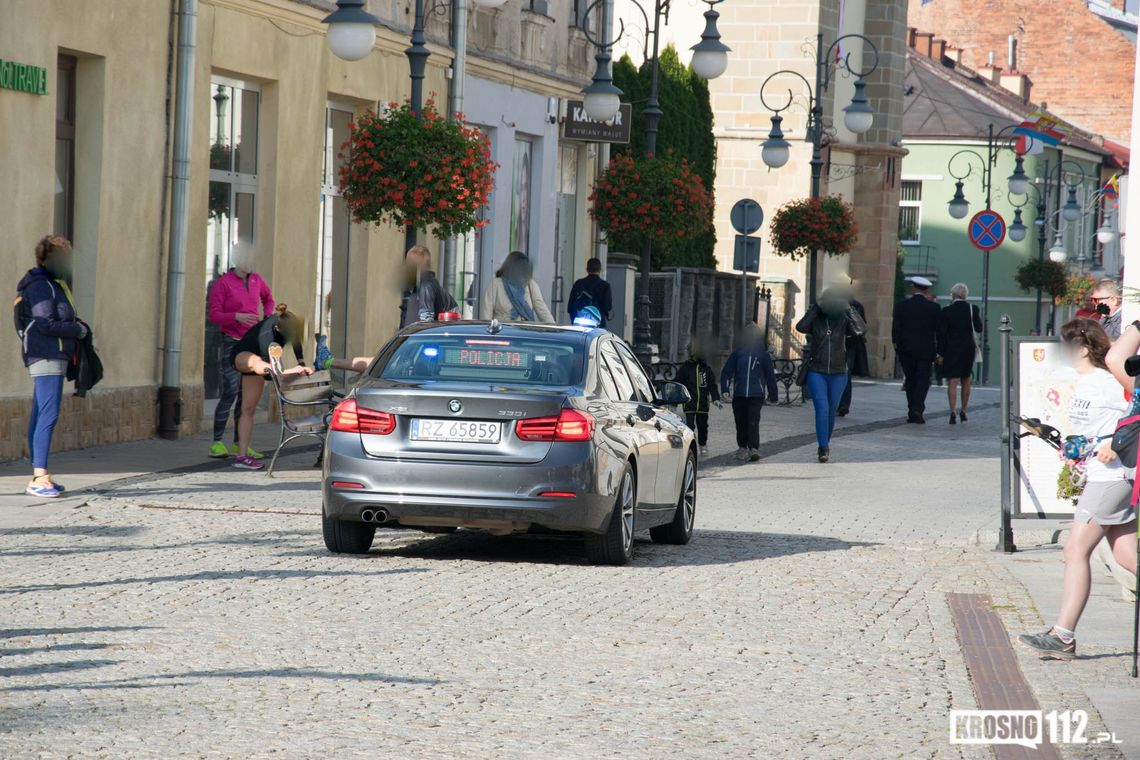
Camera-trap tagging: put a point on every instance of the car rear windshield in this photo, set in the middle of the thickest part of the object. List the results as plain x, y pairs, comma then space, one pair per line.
494, 359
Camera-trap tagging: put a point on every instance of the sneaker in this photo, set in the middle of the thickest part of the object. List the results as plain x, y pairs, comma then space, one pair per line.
219, 451
1050, 645
42, 490
824, 454
247, 463
324, 358
704, 451
753, 455
741, 454
250, 451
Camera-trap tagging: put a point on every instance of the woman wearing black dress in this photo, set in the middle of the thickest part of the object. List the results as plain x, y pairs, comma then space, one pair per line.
957, 347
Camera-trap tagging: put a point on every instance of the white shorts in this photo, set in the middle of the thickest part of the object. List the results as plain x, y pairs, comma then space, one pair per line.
1106, 501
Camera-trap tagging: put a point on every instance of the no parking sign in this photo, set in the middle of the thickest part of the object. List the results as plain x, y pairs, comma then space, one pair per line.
987, 230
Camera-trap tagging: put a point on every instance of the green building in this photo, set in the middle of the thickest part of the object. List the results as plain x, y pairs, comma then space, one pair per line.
947, 118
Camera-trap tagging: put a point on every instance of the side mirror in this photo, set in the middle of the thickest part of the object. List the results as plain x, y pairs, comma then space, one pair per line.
674, 393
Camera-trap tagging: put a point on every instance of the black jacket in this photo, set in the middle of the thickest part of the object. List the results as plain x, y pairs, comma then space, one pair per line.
87, 370
829, 335
957, 324
591, 290
914, 329
425, 302
699, 378
857, 358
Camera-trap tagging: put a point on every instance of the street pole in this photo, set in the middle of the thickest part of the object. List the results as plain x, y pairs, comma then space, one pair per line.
417, 54
815, 130
1041, 240
652, 113
988, 181
1005, 531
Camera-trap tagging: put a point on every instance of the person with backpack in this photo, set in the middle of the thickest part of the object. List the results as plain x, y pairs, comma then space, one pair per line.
49, 329
700, 380
748, 373
591, 290
1106, 508
424, 298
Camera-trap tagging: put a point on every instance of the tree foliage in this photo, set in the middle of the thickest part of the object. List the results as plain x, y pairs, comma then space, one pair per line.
686, 130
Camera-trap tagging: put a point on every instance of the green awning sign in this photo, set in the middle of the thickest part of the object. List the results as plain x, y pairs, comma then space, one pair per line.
23, 77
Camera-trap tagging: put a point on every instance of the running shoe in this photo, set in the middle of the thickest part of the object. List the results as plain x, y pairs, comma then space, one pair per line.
42, 490
324, 355
753, 455
1050, 645
247, 463
741, 454
219, 451
250, 451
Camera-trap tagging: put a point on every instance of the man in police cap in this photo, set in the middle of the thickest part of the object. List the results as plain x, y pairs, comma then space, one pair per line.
914, 331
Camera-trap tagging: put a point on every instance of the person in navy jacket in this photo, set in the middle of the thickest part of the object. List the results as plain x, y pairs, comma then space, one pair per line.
747, 378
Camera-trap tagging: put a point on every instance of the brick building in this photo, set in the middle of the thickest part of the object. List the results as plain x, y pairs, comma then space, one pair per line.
1051, 41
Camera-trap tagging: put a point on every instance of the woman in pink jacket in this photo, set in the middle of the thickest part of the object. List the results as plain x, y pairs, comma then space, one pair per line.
238, 300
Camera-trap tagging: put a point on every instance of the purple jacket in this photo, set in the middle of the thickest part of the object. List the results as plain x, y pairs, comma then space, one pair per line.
49, 326
231, 294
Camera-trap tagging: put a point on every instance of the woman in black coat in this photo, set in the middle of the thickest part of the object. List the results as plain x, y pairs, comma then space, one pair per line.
957, 347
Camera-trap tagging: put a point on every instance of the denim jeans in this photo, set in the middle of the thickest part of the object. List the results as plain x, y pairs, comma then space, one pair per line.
826, 390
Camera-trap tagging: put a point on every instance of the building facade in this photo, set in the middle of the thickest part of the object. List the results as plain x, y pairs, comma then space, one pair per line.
949, 110
272, 107
767, 36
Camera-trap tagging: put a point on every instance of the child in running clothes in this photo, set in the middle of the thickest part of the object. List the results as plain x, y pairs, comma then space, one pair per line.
1105, 508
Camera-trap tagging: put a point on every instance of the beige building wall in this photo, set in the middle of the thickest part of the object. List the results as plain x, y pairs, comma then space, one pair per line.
125, 87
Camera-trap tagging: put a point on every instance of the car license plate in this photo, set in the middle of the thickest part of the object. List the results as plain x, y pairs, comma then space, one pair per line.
456, 431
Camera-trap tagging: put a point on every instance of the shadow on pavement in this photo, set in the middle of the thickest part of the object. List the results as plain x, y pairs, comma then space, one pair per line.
73, 530
269, 537
186, 679
708, 547
20, 633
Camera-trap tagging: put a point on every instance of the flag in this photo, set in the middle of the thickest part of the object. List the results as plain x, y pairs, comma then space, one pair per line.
1041, 128
1111, 188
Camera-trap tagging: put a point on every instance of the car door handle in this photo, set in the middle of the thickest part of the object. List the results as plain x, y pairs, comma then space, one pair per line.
657, 425
629, 419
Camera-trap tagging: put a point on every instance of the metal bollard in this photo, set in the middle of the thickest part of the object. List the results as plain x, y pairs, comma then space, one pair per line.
1005, 531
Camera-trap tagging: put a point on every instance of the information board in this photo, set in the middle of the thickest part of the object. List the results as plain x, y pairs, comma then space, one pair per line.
1043, 385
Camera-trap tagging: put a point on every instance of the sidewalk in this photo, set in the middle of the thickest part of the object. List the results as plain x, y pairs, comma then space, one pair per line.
87, 471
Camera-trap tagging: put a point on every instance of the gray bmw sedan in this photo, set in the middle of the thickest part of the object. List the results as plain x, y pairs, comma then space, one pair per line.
510, 428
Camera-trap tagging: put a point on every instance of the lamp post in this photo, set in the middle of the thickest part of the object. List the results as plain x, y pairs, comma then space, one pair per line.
857, 117
602, 100
352, 34
959, 207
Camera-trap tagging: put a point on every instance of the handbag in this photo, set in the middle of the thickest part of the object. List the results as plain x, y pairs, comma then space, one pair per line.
1126, 442
802, 370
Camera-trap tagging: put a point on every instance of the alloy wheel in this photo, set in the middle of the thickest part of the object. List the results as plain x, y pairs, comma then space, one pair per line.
627, 502
689, 494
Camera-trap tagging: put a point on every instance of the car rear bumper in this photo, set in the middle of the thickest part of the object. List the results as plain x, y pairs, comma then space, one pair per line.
499, 497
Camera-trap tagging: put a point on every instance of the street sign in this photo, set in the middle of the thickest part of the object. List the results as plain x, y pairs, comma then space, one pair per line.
746, 255
986, 230
579, 126
746, 216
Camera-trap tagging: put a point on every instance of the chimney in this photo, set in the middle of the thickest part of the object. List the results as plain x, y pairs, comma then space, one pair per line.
922, 42
910, 32
954, 53
937, 49
990, 72
1017, 83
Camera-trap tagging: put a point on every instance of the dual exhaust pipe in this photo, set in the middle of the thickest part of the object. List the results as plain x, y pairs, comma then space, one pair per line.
375, 516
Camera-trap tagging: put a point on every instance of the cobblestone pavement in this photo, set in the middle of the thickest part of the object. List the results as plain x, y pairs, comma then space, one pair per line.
199, 615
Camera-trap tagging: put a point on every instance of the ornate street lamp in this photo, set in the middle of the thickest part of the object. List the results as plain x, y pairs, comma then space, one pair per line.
602, 99
1017, 229
958, 205
858, 117
1058, 253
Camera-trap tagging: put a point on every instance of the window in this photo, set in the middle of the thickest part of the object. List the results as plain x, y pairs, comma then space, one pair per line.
64, 216
520, 200
232, 203
539, 6
644, 387
495, 360
910, 212
625, 390
580, 17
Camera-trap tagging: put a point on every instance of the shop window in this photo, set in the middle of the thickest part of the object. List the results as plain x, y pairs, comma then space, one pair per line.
910, 212
520, 199
64, 216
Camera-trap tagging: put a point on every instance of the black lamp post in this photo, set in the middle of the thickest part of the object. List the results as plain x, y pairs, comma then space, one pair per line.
352, 34
959, 207
602, 99
857, 117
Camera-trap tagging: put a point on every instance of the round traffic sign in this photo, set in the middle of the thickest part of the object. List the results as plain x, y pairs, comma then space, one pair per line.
746, 216
987, 230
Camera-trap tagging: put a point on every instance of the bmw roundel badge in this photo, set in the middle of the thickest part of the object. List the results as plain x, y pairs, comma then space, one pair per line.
455, 406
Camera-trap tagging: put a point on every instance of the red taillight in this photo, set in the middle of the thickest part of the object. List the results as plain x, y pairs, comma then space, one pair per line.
346, 484
559, 494
350, 418
570, 425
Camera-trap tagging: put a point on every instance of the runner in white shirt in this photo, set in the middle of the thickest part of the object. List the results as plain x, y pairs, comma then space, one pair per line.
1105, 506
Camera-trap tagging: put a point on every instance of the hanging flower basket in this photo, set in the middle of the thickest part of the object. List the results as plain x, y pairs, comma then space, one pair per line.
658, 198
1047, 275
429, 173
1078, 287
814, 224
